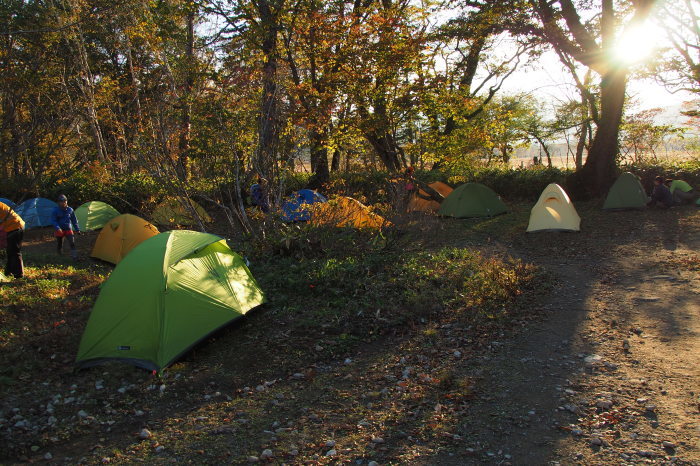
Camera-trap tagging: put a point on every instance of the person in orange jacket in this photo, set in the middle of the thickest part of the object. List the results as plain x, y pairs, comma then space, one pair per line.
13, 225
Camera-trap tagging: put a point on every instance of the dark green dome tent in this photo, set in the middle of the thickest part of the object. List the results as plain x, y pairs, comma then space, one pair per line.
169, 293
472, 200
94, 215
626, 193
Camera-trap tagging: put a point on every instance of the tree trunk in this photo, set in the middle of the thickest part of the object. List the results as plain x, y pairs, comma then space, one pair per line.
183, 162
598, 173
86, 83
335, 160
581, 144
267, 128
386, 148
319, 158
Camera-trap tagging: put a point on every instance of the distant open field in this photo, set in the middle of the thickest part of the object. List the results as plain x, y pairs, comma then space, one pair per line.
564, 161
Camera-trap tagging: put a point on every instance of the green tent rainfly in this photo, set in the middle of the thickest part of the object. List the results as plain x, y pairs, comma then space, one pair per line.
169, 293
472, 200
94, 215
626, 193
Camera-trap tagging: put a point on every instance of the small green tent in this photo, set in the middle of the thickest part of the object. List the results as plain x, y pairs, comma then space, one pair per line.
94, 215
472, 200
169, 293
626, 193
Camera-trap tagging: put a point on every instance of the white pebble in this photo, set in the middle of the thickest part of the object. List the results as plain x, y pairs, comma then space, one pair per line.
267, 453
377, 440
145, 434
330, 444
331, 453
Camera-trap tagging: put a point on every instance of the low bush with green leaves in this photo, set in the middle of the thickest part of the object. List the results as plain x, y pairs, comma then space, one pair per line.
355, 282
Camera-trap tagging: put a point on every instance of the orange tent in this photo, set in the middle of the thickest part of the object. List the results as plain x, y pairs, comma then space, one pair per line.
419, 203
120, 235
346, 212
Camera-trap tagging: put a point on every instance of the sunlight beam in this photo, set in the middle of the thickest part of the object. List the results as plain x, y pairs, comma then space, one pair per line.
635, 45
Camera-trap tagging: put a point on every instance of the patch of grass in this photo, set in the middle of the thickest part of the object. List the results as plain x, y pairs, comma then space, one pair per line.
358, 288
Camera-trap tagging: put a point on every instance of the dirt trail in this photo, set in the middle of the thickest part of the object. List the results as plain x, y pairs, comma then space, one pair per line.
611, 375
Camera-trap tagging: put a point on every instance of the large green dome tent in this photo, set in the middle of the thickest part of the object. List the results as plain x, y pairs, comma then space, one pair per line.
626, 193
169, 293
94, 215
472, 200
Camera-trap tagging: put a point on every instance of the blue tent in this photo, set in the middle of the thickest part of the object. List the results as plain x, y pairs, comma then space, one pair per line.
8, 202
294, 210
36, 212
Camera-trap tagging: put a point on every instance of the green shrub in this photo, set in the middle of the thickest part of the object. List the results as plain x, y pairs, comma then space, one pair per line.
688, 170
354, 283
513, 184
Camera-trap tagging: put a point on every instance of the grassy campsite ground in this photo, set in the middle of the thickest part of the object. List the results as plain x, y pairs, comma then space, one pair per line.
445, 342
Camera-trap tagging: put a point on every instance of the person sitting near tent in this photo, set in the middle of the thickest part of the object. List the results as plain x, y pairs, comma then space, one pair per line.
681, 191
63, 219
259, 196
13, 225
661, 195
413, 187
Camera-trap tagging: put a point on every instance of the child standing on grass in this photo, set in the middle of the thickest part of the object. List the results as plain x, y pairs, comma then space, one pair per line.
13, 225
63, 219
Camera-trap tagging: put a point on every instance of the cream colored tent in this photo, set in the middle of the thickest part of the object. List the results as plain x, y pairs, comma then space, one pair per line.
554, 212
420, 203
172, 212
346, 212
120, 235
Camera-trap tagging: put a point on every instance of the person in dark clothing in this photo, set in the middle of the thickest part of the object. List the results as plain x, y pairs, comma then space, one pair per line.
259, 195
63, 219
13, 225
661, 195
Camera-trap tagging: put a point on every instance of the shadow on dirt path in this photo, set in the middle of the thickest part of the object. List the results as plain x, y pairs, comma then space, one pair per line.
610, 375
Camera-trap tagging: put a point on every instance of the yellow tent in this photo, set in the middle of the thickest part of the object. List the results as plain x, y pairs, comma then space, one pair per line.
120, 235
554, 211
418, 202
346, 211
172, 212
